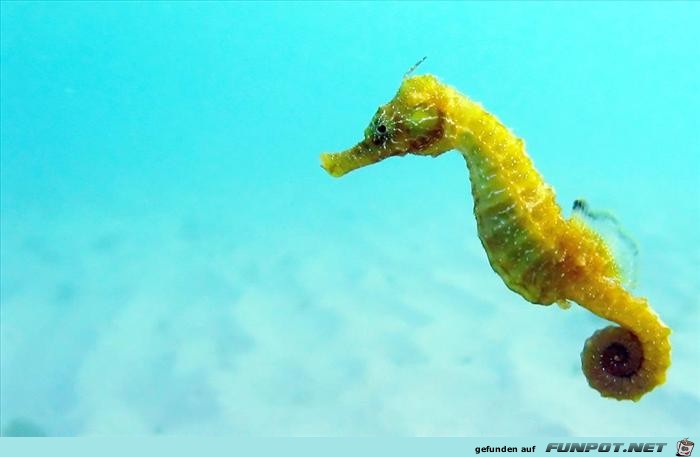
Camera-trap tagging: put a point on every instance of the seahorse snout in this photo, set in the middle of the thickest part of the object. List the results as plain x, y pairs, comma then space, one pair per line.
340, 163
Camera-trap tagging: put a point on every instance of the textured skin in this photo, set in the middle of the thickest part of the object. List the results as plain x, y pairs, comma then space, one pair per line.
538, 253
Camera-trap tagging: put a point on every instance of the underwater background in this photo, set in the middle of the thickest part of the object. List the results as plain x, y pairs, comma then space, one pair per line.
175, 261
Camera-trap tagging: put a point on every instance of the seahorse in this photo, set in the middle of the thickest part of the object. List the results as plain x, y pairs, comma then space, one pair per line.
539, 253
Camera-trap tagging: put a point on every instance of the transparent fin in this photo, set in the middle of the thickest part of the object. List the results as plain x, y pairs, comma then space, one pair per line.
623, 247
564, 304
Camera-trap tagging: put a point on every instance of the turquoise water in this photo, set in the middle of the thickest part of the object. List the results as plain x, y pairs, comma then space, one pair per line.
175, 261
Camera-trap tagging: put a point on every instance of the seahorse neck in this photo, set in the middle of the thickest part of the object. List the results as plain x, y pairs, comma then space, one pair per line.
496, 158
482, 138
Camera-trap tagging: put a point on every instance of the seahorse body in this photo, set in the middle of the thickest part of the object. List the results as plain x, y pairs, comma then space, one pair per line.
538, 253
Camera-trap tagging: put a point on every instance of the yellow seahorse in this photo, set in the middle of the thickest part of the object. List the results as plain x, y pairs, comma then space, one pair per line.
540, 254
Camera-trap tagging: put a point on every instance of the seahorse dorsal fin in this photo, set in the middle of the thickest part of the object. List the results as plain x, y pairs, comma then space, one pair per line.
623, 247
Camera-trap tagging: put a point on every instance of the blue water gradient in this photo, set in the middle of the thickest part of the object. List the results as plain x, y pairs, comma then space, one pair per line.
175, 261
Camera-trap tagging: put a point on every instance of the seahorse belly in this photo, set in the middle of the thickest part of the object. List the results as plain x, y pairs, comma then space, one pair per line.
518, 220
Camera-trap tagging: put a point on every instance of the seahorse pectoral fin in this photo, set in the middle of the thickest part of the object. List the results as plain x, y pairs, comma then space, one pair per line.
622, 247
564, 304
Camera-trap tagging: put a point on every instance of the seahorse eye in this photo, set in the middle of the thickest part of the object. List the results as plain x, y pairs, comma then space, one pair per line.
379, 133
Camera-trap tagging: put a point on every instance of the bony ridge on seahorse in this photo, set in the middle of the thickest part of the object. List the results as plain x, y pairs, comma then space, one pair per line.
538, 253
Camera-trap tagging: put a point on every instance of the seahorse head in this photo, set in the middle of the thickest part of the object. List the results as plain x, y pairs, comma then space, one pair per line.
413, 122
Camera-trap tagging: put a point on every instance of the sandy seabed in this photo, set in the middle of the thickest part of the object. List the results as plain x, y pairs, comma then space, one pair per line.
170, 327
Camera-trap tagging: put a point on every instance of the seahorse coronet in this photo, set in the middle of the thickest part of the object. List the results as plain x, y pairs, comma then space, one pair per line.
538, 253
